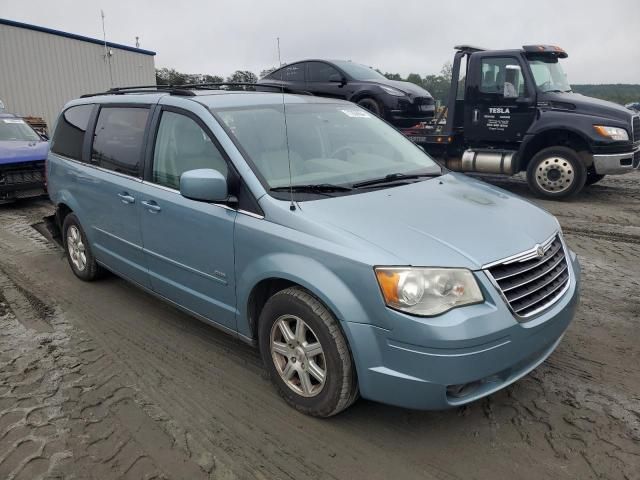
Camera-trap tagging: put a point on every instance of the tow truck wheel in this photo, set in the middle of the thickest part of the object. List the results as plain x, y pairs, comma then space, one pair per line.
556, 172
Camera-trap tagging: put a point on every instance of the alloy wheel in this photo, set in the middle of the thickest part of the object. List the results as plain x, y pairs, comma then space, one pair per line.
76, 248
555, 174
298, 356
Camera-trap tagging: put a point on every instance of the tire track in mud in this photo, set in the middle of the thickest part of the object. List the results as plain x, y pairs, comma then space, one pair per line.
64, 409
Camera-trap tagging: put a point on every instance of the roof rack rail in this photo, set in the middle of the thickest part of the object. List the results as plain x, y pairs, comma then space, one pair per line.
186, 89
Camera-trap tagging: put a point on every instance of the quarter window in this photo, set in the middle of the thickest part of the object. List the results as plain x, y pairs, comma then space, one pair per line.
69, 135
182, 145
118, 139
320, 72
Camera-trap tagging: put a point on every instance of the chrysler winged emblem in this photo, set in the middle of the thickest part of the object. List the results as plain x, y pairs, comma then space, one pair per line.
539, 251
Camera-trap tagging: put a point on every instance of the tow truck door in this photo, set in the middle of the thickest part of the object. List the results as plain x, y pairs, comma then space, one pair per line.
500, 99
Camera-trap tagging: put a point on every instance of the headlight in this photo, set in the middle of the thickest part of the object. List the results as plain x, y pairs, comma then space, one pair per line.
613, 133
392, 91
427, 291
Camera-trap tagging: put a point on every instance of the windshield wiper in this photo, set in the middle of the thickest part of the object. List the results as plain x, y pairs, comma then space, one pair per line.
312, 188
392, 177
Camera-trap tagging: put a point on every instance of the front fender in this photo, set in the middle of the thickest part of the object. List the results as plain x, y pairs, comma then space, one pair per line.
305, 271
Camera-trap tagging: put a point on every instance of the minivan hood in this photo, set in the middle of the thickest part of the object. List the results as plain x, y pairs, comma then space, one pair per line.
15, 151
406, 87
589, 105
449, 221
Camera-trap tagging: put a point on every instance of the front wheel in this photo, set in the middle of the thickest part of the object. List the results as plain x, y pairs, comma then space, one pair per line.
306, 353
556, 173
372, 105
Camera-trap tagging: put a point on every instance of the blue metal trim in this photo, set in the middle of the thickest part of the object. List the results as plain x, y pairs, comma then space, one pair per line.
60, 33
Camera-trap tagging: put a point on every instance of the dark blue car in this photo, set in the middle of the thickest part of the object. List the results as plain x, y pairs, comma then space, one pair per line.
22, 156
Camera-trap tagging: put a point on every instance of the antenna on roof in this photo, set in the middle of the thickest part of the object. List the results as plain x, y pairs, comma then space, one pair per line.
107, 52
137, 42
292, 206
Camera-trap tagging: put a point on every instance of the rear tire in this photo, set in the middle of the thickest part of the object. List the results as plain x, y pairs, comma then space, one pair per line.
306, 354
556, 173
76, 245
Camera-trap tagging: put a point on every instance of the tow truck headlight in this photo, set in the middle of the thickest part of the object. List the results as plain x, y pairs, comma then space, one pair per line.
612, 133
427, 291
393, 91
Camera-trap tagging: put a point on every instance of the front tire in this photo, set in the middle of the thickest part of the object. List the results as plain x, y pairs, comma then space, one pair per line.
372, 105
306, 354
81, 260
556, 173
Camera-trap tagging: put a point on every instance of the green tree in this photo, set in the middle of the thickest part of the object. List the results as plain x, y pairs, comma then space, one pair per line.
415, 78
242, 76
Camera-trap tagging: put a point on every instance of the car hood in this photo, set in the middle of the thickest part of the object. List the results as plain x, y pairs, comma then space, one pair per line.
449, 221
406, 87
20, 151
589, 105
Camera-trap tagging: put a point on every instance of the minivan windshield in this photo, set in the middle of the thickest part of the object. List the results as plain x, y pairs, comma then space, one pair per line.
549, 75
328, 144
359, 72
16, 129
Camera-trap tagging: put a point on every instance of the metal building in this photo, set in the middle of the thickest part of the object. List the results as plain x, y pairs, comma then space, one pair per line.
41, 69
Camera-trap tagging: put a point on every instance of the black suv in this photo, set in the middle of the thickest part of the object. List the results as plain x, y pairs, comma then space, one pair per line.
402, 104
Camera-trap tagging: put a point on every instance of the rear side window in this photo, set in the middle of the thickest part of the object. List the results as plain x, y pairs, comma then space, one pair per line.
118, 139
69, 135
293, 73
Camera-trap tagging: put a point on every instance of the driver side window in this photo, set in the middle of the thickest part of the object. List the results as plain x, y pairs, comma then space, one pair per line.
182, 145
497, 71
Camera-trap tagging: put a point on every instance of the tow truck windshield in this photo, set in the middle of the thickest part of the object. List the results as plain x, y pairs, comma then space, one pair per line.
549, 75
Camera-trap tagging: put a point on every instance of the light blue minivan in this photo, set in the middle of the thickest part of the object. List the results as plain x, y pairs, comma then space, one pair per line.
312, 229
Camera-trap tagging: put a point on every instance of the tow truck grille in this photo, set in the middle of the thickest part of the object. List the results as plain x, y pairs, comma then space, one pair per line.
533, 283
636, 128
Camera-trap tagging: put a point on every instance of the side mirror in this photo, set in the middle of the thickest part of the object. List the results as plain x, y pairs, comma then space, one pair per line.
337, 78
205, 185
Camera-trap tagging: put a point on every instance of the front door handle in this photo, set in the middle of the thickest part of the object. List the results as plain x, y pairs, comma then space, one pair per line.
475, 115
151, 205
126, 198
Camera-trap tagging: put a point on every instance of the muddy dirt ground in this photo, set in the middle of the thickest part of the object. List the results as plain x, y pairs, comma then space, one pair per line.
103, 381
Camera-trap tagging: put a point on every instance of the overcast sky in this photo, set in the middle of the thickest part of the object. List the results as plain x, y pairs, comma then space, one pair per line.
221, 36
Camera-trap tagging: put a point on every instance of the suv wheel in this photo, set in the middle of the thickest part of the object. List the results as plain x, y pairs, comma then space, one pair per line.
556, 172
79, 254
306, 354
372, 105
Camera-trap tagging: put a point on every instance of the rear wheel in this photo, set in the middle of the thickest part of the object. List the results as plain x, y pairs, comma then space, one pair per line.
306, 353
556, 172
81, 260
372, 105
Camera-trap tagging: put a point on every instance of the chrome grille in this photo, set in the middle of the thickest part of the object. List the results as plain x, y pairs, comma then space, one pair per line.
532, 283
636, 128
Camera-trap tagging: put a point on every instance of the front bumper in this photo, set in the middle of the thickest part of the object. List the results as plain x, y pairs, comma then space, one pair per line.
407, 114
616, 163
458, 357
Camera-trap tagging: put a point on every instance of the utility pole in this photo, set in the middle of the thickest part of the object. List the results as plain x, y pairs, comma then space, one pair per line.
107, 54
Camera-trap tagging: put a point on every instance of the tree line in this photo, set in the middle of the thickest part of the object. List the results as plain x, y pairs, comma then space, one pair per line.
438, 85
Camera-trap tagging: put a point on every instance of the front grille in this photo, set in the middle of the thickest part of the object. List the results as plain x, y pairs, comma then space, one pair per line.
636, 128
533, 283
22, 173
